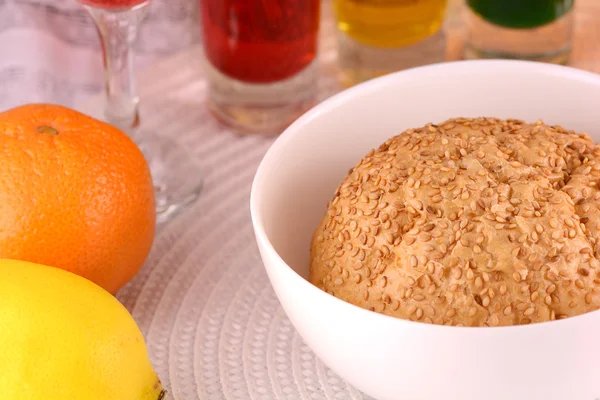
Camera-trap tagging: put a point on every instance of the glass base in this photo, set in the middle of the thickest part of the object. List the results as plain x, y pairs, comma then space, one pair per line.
559, 57
264, 109
175, 173
548, 43
360, 62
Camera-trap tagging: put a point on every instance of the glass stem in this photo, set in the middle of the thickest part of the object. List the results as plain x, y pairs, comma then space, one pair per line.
118, 29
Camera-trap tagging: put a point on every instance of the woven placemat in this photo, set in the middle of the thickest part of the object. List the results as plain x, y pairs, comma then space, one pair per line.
213, 325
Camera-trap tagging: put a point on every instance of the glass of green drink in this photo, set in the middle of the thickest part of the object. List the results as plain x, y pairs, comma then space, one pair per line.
537, 30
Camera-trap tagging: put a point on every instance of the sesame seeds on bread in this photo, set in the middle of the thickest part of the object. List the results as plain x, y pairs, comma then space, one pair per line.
472, 222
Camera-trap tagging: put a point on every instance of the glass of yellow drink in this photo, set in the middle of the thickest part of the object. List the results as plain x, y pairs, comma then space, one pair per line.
381, 36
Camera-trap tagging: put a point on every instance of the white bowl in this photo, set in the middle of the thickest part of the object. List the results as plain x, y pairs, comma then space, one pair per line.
394, 359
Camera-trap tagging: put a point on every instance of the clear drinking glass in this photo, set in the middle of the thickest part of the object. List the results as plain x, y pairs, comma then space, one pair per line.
260, 61
177, 180
536, 30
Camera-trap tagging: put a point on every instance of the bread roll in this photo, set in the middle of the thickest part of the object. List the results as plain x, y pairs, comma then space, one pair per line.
471, 222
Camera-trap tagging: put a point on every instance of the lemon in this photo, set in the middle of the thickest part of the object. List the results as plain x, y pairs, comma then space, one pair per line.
64, 337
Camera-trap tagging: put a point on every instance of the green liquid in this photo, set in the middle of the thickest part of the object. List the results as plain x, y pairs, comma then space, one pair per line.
520, 14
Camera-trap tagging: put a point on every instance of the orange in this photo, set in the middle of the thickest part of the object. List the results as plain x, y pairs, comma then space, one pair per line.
75, 193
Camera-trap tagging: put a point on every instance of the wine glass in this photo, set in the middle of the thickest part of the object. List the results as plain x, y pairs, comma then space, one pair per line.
177, 181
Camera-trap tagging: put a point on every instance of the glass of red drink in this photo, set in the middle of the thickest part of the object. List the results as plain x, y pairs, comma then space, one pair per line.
260, 60
176, 178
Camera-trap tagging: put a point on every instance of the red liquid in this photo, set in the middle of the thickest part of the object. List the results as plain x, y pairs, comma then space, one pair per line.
260, 41
113, 3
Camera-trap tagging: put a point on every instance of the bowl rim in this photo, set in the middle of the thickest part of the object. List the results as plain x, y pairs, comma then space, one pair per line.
345, 95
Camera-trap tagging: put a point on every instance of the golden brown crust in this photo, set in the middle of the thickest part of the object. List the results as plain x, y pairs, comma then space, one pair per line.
475, 222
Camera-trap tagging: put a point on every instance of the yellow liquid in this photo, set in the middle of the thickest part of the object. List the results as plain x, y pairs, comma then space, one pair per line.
389, 23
